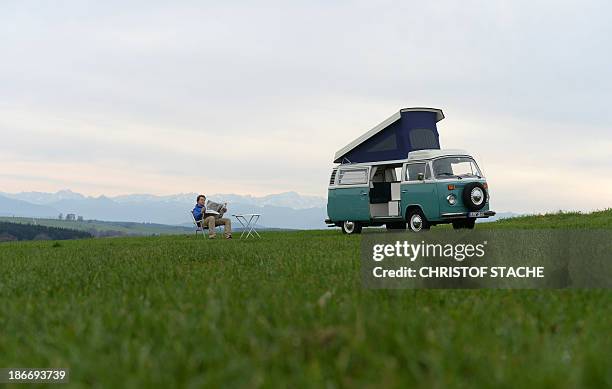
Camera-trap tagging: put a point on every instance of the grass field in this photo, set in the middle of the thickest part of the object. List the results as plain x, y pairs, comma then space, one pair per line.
287, 310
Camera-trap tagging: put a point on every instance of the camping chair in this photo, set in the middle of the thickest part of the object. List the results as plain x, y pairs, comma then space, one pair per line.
200, 228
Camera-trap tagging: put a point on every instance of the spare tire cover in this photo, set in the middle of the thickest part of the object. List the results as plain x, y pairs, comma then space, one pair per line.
474, 196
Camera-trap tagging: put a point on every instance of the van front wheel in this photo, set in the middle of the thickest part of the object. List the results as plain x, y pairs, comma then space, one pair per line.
349, 227
417, 221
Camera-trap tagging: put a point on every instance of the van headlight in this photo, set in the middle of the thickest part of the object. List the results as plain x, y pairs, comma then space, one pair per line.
451, 199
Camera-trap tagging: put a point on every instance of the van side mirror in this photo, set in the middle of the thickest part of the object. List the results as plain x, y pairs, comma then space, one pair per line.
420, 176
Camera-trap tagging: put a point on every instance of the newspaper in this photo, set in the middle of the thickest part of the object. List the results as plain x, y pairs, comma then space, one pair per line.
213, 208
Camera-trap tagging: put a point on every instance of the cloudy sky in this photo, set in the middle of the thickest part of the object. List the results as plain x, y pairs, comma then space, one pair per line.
255, 97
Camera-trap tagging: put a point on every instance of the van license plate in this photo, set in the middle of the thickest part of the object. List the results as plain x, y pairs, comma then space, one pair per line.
475, 214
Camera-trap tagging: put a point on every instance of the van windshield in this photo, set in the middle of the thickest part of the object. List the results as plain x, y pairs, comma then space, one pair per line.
459, 167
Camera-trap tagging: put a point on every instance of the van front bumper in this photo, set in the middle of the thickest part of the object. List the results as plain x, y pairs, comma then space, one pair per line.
463, 215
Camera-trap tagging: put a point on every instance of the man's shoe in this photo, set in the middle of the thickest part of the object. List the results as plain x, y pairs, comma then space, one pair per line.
228, 237
212, 237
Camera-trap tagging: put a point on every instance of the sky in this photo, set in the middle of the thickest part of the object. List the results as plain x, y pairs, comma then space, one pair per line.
256, 97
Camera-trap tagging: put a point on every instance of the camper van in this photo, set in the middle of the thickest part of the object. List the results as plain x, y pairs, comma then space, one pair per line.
426, 186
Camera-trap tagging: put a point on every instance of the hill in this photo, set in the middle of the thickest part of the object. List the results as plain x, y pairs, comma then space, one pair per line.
99, 228
20, 231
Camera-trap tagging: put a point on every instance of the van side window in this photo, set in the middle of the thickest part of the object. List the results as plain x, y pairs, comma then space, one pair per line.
413, 170
353, 176
423, 138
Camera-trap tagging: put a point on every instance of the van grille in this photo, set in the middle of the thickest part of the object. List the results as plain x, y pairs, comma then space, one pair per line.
332, 180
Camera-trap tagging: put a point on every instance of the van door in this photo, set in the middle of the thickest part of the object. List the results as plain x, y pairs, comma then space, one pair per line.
419, 192
350, 198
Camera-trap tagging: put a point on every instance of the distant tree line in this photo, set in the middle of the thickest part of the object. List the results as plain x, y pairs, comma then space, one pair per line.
18, 231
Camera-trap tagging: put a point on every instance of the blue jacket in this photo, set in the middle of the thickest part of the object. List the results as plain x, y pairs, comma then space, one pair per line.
198, 211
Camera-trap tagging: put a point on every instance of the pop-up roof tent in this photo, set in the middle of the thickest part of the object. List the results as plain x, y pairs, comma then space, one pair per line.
407, 130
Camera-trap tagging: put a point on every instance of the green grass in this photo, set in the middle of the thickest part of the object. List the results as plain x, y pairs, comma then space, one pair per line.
599, 219
287, 310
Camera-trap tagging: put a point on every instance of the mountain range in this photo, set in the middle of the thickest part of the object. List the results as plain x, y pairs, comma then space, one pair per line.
283, 210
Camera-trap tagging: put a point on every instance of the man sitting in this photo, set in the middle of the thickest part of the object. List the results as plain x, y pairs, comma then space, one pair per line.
211, 218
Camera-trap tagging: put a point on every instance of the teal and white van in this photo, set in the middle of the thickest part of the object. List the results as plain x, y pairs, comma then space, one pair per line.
429, 187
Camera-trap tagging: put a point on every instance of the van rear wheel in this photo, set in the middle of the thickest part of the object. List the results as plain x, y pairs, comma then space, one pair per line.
349, 227
416, 220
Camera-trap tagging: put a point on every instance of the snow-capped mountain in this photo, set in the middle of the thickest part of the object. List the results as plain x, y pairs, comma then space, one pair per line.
43, 198
291, 200
284, 210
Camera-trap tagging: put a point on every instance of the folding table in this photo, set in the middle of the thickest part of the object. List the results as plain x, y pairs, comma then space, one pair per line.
248, 222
